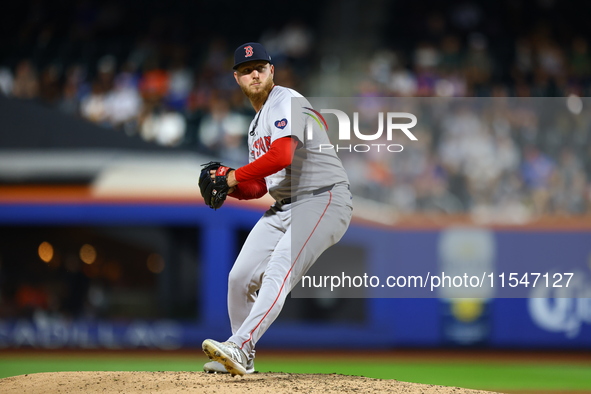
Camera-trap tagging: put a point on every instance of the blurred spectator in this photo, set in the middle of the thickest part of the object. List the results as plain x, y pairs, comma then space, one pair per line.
524, 60
381, 65
568, 191
106, 72
403, 83
478, 65
550, 58
506, 154
49, 84
123, 104
154, 82
580, 60
451, 56
537, 170
72, 91
6, 81
295, 40
94, 106
431, 192
180, 85
379, 178
26, 84
239, 103
292, 44
426, 57
164, 126
224, 132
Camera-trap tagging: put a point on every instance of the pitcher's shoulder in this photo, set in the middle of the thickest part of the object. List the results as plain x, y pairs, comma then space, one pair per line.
282, 91
281, 96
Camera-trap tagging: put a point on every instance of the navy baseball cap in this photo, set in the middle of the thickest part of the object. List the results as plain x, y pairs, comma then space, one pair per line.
250, 51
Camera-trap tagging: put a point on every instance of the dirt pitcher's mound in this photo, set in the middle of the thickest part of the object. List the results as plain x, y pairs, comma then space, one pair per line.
200, 382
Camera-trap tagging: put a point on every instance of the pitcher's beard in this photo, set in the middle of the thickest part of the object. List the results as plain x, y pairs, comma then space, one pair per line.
261, 95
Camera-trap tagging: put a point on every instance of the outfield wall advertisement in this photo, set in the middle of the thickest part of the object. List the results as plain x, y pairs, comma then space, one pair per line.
556, 313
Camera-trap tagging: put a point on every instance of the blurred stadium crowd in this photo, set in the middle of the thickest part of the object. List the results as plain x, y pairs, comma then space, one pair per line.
152, 74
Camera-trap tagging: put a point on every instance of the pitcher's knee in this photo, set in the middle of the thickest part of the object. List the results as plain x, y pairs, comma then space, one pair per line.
240, 280
236, 278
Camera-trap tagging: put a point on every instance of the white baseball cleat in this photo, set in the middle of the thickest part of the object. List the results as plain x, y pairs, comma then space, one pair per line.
228, 354
216, 367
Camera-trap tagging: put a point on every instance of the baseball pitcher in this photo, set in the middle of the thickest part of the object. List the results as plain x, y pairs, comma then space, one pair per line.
312, 210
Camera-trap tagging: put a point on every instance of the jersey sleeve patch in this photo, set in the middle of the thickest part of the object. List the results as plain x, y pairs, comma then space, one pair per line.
280, 124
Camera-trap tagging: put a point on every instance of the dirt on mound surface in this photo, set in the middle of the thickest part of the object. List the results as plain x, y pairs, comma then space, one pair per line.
201, 382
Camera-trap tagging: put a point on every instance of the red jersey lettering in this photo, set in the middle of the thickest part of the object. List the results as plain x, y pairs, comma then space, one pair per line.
261, 146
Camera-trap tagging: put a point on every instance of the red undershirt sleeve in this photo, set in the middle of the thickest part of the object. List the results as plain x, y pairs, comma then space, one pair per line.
252, 176
249, 190
278, 157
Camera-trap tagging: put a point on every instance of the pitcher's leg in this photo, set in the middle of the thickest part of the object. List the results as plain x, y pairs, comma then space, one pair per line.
246, 275
319, 223
311, 237
272, 293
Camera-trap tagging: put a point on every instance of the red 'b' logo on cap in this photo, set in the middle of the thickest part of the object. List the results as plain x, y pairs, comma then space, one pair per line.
249, 51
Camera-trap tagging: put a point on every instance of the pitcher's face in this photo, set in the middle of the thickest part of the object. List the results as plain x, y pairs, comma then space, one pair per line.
255, 78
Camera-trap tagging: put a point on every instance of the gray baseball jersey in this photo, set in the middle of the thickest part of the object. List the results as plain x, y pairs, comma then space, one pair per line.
284, 115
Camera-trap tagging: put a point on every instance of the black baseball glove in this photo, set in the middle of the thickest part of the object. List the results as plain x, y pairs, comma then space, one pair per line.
214, 188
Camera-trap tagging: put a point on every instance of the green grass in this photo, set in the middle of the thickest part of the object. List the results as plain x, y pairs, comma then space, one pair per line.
484, 375
477, 375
